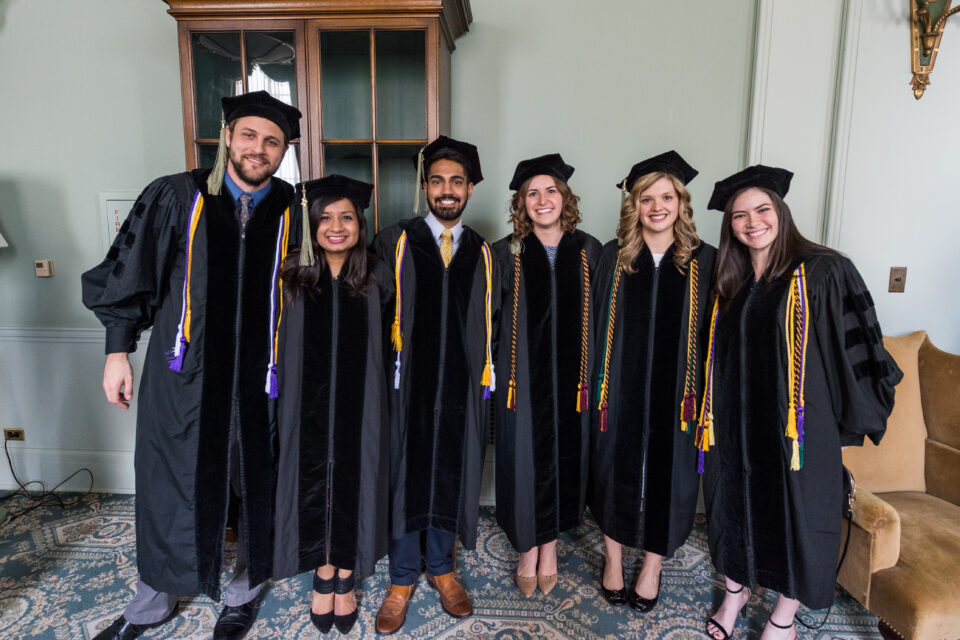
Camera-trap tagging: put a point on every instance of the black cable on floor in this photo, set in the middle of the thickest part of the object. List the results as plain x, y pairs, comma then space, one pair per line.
42, 496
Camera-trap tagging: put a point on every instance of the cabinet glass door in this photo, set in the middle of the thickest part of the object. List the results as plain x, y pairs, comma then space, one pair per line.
373, 97
228, 63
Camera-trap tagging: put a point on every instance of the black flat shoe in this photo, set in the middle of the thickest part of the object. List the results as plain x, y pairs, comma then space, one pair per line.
234, 622
344, 586
641, 604
322, 621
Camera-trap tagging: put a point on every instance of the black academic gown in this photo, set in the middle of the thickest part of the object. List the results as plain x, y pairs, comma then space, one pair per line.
187, 420
542, 447
644, 480
769, 525
439, 417
333, 432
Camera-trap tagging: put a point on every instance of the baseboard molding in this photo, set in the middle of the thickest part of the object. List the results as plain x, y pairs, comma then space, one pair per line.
112, 470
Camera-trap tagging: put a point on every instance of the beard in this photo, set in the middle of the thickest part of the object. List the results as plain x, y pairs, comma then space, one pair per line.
255, 177
447, 213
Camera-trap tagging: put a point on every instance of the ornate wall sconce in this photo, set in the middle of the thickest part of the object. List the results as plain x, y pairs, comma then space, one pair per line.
927, 20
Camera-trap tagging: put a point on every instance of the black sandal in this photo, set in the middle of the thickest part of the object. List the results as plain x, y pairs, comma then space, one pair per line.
322, 621
343, 586
718, 626
781, 626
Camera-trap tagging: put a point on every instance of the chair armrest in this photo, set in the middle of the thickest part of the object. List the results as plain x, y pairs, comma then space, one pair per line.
874, 544
882, 522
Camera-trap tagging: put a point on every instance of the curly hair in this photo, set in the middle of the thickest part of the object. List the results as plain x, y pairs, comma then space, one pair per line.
630, 233
523, 225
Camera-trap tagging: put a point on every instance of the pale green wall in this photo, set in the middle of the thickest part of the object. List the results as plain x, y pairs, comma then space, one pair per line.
90, 102
605, 84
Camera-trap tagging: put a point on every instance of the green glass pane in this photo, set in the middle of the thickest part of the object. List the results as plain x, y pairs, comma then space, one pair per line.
354, 161
401, 85
398, 182
271, 64
289, 168
217, 72
345, 85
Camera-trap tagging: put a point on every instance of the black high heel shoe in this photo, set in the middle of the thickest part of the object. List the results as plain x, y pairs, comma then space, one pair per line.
641, 604
615, 597
718, 626
344, 586
322, 621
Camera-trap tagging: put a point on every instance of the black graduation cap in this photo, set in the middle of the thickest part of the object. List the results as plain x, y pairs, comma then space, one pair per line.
261, 103
670, 162
773, 178
549, 165
468, 151
332, 185
342, 186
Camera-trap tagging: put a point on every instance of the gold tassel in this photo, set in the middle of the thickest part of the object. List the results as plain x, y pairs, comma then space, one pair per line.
395, 336
485, 376
795, 458
792, 421
420, 177
215, 179
512, 395
306, 241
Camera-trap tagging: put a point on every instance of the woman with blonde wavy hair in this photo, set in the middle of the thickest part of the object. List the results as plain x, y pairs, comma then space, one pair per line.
652, 290
544, 357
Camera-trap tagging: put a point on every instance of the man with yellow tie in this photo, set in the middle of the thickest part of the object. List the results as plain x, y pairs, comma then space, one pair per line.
447, 293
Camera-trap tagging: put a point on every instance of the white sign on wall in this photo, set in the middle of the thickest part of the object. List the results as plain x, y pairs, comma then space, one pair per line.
114, 207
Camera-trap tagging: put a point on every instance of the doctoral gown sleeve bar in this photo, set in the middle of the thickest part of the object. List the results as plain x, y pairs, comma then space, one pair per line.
862, 375
126, 289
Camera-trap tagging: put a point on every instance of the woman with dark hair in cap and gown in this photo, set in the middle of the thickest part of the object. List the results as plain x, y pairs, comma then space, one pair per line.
652, 290
796, 370
545, 348
331, 512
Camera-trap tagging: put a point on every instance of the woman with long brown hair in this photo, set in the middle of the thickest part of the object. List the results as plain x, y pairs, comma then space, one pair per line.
332, 484
796, 370
652, 290
544, 350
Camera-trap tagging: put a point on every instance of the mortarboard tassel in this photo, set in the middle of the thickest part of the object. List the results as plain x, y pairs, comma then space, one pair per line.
215, 179
307, 258
420, 176
623, 192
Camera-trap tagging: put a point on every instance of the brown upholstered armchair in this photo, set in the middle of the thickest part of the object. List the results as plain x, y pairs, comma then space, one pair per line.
904, 557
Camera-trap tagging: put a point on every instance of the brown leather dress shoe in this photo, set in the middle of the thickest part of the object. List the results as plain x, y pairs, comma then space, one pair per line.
393, 611
453, 597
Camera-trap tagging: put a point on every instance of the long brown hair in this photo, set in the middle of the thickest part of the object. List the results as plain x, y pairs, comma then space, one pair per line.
630, 232
306, 279
523, 225
733, 257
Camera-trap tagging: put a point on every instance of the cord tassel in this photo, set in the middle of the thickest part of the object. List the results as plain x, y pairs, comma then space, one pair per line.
272, 390
512, 396
795, 458
395, 336
603, 417
396, 373
700, 462
175, 356
583, 398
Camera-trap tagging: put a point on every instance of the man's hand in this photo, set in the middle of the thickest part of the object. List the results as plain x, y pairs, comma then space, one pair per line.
118, 380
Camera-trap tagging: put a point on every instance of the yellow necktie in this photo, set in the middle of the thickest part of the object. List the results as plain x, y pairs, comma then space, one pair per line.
446, 246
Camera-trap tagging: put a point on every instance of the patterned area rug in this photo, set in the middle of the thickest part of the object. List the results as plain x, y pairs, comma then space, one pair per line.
66, 574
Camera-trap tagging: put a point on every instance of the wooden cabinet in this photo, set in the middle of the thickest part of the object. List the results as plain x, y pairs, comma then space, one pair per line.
372, 79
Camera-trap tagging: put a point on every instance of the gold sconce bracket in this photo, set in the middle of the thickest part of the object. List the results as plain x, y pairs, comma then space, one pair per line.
927, 21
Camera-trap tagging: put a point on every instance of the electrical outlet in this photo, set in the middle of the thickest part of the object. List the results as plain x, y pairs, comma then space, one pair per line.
43, 268
13, 434
898, 279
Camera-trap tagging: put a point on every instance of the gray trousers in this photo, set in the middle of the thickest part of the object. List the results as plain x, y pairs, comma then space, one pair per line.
150, 606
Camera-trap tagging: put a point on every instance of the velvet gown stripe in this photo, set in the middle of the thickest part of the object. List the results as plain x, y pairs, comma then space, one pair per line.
542, 445
440, 369
329, 485
234, 403
643, 468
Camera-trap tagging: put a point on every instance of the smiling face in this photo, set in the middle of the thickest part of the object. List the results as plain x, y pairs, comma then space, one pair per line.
544, 203
659, 206
338, 229
256, 147
446, 189
755, 223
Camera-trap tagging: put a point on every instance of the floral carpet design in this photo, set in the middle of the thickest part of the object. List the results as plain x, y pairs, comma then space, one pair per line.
67, 573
